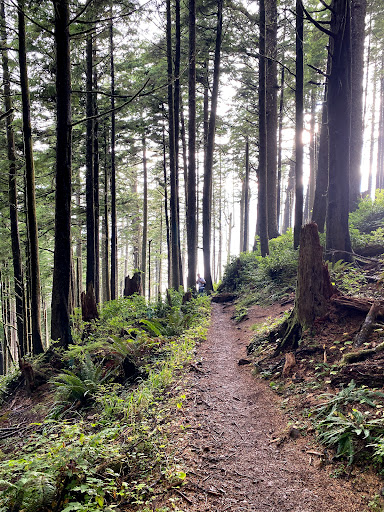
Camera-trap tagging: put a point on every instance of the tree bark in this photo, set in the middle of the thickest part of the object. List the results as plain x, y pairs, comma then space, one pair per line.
280, 145
96, 179
61, 307
321, 188
338, 242
191, 197
12, 194
105, 253
299, 100
37, 343
358, 12
114, 276
208, 164
174, 220
367, 326
262, 217
271, 115
145, 217
246, 199
313, 292
90, 198
380, 142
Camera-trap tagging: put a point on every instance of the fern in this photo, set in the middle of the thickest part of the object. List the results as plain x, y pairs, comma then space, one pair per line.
72, 387
350, 394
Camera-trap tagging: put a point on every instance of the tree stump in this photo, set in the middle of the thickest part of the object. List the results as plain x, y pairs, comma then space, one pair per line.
133, 285
313, 291
88, 304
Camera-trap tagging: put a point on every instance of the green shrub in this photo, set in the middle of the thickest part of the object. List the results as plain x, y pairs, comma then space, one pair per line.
263, 280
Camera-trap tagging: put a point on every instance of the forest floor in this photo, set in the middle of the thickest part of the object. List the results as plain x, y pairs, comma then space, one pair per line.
240, 450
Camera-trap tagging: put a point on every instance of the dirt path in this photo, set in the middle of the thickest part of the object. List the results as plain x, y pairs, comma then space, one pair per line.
234, 417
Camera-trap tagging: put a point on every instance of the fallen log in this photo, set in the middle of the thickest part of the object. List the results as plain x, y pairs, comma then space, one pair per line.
362, 355
357, 303
367, 327
369, 373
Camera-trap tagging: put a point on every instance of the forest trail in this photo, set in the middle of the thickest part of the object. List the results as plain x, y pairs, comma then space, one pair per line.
232, 461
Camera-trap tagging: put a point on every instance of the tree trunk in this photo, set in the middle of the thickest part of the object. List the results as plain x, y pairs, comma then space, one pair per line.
312, 158
105, 257
262, 217
191, 197
271, 115
321, 188
313, 292
114, 276
246, 200
133, 285
96, 180
12, 193
90, 198
169, 260
174, 227
372, 141
280, 146
288, 206
60, 324
37, 343
339, 122
380, 141
358, 12
208, 164
177, 128
299, 100
145, 217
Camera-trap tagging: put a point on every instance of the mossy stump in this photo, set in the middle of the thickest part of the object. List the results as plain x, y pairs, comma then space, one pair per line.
313, 291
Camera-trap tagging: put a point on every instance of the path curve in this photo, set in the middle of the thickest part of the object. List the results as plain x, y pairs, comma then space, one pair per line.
233, 463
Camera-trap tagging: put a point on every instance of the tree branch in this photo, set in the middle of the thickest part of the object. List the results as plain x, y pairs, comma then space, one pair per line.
113, 109
319, 71
316, 23
45, 29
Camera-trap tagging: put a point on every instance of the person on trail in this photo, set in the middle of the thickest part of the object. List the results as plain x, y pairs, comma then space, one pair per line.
200, 281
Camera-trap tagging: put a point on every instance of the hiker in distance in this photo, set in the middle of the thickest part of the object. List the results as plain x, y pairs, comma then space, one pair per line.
200, 281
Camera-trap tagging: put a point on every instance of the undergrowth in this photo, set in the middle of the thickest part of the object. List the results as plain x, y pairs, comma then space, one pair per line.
108, 440
260, 280
352, 422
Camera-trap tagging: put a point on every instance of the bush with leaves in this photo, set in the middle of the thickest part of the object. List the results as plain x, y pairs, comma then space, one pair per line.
263, 280
367, 221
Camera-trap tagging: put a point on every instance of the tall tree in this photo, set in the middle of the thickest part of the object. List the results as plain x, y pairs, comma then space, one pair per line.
174, 220
61, 307
246, 200
37, 343
12, 191
358, 12
380, 142
90, 183
145, 217
299, 101
113, 166
271, 113
321, 188
208, 164
262, 217
191, 198
339, 121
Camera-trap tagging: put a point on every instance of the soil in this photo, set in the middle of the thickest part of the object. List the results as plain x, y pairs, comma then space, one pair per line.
241, 452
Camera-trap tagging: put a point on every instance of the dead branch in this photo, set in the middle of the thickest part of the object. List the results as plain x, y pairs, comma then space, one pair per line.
367, 327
